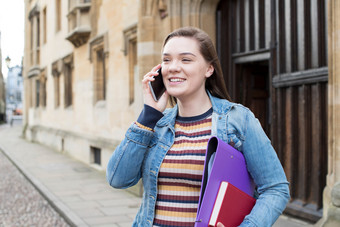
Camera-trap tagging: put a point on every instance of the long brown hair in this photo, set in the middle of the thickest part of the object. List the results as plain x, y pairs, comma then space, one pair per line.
215, 83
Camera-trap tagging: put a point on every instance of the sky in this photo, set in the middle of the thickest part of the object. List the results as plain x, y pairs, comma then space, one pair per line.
12, 32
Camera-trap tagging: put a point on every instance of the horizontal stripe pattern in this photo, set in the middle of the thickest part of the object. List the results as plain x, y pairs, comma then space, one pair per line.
171, 205
180, 174
179, 182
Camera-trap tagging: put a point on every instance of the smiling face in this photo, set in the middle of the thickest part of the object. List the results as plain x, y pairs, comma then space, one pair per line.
184, 69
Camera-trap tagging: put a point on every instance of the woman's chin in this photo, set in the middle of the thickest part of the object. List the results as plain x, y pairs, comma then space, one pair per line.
175, 92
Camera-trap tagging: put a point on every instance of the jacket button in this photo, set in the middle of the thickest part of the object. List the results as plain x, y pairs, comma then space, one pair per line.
220, 118
153, 172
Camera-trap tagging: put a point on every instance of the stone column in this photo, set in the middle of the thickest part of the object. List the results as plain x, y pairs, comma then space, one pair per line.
331, 198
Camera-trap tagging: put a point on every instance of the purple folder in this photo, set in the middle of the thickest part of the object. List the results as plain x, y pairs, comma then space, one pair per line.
228, 165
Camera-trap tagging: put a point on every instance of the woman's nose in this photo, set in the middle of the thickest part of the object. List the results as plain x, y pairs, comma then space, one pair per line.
174, 66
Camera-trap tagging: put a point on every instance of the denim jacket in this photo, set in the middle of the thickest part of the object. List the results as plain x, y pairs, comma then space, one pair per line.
141, 153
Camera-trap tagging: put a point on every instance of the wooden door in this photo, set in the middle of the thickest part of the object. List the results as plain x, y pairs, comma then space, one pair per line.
274, 58
254, 90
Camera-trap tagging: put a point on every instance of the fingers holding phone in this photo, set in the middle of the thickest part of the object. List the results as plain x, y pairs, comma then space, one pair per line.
157, 86
154, 90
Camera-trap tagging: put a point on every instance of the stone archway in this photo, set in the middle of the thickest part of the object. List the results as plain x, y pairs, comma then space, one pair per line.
160, 17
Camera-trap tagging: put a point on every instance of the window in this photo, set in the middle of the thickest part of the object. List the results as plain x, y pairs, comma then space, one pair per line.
31, 40
57, 90
95, 155
56, 71
30, 93
43, 88
40, 90
132, 69
18, 96
98, 57
38, 41
58, 15
37, 93
68, 85
34, 19
38, 31
100, 75
68, 79
130, 37
45, 25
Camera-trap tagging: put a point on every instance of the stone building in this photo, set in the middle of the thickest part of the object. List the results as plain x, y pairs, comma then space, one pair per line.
81, 75
2, 91
84, 61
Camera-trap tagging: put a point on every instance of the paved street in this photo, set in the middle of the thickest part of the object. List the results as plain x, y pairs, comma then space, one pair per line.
21, 204
79, 193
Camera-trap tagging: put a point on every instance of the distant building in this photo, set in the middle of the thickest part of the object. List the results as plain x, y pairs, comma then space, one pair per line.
2, 91
14, 90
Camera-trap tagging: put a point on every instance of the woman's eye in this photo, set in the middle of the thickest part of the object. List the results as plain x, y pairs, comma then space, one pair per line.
166, 59
186, 59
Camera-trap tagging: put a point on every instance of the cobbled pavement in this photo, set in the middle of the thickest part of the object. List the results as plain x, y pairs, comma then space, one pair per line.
20, 203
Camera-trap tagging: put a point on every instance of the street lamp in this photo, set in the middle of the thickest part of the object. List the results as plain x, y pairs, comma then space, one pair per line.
8, 61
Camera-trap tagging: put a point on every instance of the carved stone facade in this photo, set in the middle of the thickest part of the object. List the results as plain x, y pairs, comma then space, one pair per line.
76, 76
95, 57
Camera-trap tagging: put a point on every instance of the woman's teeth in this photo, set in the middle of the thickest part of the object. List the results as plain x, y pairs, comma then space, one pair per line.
176, 80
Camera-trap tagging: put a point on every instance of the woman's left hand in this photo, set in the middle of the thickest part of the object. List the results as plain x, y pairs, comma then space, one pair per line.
220, 225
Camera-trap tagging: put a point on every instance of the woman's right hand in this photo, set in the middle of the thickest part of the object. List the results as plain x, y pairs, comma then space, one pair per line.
148, 99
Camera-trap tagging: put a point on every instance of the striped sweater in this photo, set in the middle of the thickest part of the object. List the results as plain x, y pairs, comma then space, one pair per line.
180, 175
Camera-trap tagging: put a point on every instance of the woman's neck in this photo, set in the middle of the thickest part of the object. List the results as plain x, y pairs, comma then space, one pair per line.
194, 107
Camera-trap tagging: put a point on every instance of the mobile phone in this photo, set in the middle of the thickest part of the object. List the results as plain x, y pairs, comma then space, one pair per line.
157, 86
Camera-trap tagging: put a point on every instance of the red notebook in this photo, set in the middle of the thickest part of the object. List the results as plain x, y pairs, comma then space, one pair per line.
231, 206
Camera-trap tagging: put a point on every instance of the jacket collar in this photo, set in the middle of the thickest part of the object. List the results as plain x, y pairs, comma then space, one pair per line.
169, 117
220, 106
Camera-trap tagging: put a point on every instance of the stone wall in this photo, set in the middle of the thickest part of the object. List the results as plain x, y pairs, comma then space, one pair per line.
331, 200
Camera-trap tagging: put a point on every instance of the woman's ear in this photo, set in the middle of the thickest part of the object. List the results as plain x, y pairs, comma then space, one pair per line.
210, 71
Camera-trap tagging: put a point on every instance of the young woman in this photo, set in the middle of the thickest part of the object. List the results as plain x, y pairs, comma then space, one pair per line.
166, 147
